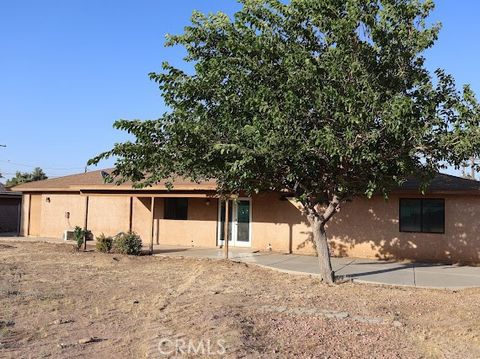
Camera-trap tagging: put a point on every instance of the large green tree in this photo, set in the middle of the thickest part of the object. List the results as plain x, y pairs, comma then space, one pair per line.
326, 99
23, 177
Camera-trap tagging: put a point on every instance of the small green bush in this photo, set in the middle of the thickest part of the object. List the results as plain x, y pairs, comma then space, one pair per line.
79, 235
127, 243
104, 244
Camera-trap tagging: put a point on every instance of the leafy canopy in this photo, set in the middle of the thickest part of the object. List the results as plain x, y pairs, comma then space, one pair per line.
323, 98
23, 177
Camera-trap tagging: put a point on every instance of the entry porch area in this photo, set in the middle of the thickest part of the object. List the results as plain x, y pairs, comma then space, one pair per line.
186, 218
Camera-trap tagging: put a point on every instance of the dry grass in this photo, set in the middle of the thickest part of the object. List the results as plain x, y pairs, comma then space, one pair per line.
50, 298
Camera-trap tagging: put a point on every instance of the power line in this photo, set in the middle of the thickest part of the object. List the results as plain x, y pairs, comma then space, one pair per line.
45, 168
15, 173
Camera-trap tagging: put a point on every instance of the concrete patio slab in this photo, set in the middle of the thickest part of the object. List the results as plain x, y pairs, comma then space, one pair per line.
448, 277
380, 273
372, 271
439, 276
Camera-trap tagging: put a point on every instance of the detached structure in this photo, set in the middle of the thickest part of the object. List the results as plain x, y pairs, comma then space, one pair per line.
10, 210
442, 225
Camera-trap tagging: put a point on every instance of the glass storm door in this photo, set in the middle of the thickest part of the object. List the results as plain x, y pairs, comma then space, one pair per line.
239, 215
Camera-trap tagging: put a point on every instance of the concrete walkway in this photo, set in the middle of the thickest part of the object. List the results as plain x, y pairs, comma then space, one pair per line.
395, 273
359, 270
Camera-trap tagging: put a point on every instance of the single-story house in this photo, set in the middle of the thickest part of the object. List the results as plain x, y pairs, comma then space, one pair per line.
443, 225
10, 209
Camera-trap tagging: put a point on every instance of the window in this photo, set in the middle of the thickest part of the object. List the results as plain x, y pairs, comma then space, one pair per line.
422, 215
176, 208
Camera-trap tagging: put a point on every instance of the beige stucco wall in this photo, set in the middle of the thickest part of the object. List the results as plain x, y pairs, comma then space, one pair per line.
24, 215
363, 228
370, 229
279, 224
54, 221
35, 222
108, 214
141, 218
111, 215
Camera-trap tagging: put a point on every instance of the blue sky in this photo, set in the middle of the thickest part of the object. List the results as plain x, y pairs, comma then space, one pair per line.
69, 69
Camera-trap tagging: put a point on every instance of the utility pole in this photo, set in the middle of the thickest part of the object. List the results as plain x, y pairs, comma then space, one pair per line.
2, 146
472, 168
226, 228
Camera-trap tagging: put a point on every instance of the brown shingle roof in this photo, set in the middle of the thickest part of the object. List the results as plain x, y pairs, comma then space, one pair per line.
94, 180
6, 193
444, 183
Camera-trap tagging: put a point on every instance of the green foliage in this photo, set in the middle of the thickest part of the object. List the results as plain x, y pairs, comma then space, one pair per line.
104, 243
127, 243
23, 177
79, 234
327, 99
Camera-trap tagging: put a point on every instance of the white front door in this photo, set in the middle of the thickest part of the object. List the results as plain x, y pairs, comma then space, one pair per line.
240, 220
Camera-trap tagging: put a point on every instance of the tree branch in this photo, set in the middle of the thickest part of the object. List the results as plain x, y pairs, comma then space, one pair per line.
331, 209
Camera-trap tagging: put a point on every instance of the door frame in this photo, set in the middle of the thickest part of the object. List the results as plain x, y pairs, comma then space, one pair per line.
234, 208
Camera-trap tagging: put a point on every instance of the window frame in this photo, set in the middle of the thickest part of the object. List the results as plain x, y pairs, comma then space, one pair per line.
175, 217
421, 214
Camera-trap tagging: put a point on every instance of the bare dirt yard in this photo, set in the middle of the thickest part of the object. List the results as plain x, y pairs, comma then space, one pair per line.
57, 303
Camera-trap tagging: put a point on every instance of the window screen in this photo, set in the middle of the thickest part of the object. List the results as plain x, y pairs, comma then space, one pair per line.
176, 208
422, 215
433, 216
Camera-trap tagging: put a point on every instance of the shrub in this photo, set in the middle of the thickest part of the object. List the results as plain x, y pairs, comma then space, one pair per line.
79, 235
104, 244
127, 243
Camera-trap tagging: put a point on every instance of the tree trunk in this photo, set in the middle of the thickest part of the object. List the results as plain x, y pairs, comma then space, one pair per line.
318, 222
323, 252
